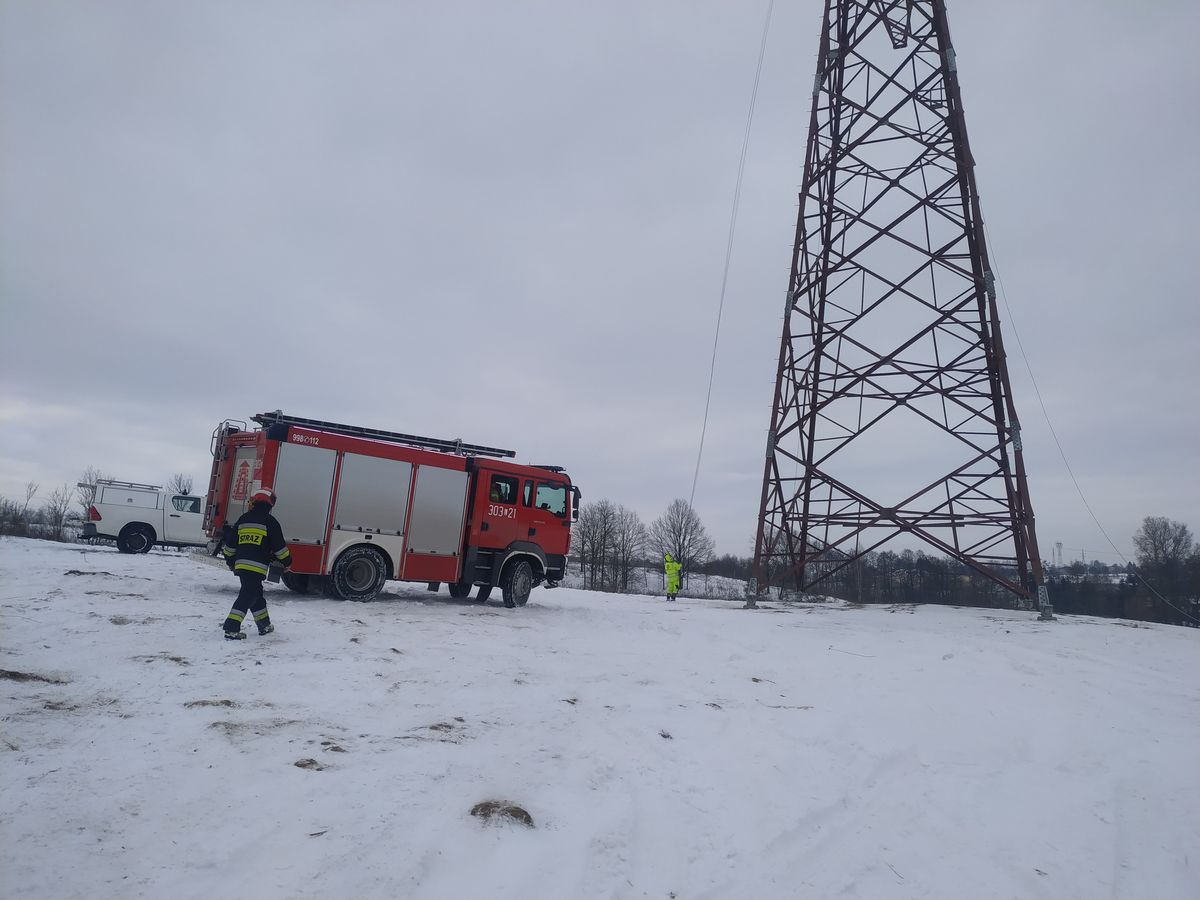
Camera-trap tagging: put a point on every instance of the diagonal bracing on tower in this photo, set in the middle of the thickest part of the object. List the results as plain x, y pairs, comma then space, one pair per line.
892, 413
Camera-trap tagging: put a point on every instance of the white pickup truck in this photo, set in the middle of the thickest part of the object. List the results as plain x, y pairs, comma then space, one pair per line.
138, 516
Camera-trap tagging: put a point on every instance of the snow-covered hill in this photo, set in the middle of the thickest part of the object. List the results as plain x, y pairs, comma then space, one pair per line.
692, 749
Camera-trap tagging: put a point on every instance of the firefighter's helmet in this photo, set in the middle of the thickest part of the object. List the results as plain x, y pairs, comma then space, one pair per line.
263, 495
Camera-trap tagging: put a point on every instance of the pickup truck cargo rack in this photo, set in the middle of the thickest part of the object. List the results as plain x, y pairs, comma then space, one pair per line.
132, 485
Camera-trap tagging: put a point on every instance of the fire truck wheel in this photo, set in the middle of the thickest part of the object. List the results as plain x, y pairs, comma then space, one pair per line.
359, 574
516, 582
135, 539
297, 584
458, 591
485, 591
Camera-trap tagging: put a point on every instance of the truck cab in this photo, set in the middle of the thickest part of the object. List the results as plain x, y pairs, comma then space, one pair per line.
138, 516
519, 511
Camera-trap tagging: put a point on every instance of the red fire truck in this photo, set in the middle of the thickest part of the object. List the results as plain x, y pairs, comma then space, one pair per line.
360, 506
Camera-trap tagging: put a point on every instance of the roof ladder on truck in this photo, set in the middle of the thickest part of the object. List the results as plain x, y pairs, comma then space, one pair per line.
446, 445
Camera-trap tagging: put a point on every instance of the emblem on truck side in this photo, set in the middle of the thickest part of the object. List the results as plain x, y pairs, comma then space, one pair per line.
243, 481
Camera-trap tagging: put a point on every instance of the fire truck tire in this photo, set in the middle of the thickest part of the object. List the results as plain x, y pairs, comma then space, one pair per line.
297, 584
460, 590
485, 591
516, 582
359, 574
135, 539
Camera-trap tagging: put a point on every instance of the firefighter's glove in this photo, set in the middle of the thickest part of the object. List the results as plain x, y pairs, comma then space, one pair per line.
231, 562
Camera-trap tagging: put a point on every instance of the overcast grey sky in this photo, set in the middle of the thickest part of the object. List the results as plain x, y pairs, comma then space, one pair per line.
506, 222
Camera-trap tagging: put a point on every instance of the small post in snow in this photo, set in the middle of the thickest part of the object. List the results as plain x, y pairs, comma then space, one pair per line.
751, 594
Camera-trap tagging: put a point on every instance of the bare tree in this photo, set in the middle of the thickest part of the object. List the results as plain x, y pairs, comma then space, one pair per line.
87, 487
593, 536
31, 489
628, 545
14, 516
1160, 542
680, 532
180, 484
1164, 552
56, 509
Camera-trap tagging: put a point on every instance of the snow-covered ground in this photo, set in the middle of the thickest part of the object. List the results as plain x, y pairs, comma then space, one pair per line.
692, 749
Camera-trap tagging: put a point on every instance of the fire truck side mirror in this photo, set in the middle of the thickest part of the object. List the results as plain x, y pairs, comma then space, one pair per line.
577, 496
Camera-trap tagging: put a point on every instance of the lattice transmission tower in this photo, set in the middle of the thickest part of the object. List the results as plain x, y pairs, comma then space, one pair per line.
893, 413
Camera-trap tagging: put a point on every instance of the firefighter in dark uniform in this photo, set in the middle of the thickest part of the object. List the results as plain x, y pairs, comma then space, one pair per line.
253, 544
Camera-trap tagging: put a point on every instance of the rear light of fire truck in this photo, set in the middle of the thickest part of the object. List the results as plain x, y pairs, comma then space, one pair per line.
93, 514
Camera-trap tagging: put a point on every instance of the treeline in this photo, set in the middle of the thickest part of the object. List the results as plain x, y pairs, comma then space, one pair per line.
907, 576
1162, 586
1154, 590
614, 549
52, 518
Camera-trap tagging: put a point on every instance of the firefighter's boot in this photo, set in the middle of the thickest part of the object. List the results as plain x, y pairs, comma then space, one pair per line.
234, 636
262, 619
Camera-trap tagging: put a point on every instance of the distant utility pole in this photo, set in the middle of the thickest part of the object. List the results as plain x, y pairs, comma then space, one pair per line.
893, 414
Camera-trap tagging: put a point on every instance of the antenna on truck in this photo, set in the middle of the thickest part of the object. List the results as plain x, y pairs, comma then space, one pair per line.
456, 446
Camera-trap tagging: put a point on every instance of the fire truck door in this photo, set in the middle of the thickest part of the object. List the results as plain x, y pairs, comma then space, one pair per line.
500, 521
547, 516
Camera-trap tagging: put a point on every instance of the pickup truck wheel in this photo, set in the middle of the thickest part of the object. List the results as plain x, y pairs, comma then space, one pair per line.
516, 582
485, 591
359, 574
458, 591
135, 539
297, 584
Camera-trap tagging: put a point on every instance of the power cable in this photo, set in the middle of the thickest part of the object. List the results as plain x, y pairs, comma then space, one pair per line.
1037, 391
737, 198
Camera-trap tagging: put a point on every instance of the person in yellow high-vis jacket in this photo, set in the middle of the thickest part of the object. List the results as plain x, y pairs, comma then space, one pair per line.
672, 569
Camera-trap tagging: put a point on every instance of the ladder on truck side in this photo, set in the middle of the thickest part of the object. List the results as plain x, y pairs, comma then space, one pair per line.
219, 453
446, 445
